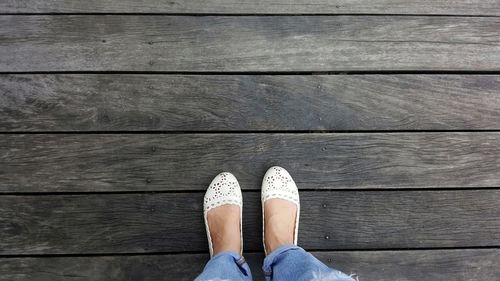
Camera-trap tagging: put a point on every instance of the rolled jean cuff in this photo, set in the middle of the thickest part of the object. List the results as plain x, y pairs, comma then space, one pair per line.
271, 258
238, 259
235, 255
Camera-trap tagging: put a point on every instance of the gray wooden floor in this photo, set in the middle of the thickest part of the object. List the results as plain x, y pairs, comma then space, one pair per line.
116, 114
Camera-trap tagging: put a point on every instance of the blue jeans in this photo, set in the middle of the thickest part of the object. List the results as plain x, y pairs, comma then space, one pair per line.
287, 263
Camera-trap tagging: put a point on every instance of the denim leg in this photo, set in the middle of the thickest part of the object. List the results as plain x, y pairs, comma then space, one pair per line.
292, 263
226, 266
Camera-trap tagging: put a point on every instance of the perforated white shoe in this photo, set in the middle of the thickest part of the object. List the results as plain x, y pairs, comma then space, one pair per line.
278, 183
223, 190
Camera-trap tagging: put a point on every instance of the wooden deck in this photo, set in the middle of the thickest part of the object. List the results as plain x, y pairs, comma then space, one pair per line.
115, 115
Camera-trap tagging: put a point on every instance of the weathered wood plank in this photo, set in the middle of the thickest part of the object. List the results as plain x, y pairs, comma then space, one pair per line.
458, 265
249, 102
457, 7
136, 162
250, 43
172, 222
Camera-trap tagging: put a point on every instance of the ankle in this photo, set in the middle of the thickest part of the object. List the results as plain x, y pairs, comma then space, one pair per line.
228, 241
274, 243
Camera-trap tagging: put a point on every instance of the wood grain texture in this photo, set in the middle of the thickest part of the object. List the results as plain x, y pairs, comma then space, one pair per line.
249, 43
248, 102
136, 162
173, 222
431, 265
457, 7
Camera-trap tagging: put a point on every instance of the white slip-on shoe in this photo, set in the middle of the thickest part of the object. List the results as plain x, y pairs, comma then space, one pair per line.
223, 190
278, 183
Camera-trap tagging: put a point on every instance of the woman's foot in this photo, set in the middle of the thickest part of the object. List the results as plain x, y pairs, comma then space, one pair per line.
279, 223
223, 203
224, 225
281, 209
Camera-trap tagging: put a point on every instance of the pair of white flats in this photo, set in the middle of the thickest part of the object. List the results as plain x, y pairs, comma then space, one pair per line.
225, 189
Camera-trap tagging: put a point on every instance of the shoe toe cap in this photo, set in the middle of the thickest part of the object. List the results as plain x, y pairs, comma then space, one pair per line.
278, 183
224, 189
